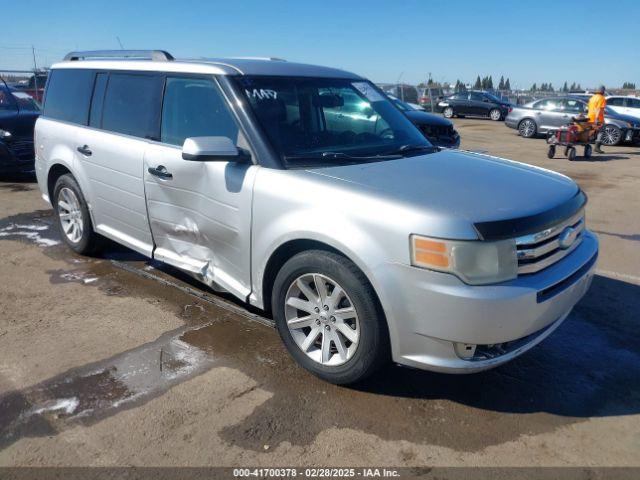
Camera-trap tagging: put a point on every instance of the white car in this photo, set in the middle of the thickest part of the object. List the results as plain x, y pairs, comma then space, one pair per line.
625, 105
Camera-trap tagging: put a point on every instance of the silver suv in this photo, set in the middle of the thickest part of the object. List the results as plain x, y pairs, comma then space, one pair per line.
304, 191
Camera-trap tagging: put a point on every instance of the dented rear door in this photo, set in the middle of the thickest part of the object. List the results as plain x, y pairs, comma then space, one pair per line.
199, 212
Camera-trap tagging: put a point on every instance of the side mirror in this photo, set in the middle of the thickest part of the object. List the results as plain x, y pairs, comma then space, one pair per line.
212, 149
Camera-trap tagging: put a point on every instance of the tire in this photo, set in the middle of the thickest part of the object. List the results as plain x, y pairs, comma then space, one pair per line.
448, 112
571, 154
611, 135
527, 128
587, 151
73, 217
495, 114
296, 283
552, 151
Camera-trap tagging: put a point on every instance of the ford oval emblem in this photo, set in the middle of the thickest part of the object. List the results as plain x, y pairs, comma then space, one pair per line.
567, 237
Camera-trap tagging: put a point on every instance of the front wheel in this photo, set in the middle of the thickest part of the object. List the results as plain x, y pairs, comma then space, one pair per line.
448, 112
73, 217
327, 316
551, 152
571, 153
495, 114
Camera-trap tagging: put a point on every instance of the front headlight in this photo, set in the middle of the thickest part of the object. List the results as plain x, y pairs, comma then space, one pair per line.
4, 135
474, 262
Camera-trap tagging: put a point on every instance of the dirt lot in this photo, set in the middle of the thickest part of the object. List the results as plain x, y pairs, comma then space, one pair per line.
121, 361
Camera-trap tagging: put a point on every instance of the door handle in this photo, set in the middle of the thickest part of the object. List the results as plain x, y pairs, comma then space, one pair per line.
160, 171
85, 150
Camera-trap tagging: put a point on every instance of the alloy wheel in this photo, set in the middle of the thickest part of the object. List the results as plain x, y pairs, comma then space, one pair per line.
495, 114
527, 128
448, 112
610, 135
322, 319
70, 214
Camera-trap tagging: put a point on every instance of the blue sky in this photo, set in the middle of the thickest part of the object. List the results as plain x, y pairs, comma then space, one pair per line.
589, 42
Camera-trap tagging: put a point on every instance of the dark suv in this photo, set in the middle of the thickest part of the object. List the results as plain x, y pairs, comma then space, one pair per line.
18, 114
481, 104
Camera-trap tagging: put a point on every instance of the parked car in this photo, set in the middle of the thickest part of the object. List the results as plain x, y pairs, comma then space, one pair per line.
629, 106
540, 116
364, 242
18, 114
439, 131
474, 103
428, 97
34, 86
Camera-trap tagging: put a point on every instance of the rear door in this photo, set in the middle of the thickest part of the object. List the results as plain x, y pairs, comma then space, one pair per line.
632, 107
124, 117
616, 104
550, 115
477, 104
200, 215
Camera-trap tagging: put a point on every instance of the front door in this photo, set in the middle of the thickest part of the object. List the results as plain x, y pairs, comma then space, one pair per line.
199, 212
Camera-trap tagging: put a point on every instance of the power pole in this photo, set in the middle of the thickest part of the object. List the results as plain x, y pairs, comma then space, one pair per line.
120, 43
35, 71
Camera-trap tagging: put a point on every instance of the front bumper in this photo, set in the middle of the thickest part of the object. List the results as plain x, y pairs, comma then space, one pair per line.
430, 312
16, 155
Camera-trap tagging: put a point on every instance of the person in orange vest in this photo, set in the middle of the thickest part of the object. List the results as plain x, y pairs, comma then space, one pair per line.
596, 114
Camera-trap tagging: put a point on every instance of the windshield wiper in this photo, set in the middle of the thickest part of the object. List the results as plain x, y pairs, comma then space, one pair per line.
415, 148
327, 156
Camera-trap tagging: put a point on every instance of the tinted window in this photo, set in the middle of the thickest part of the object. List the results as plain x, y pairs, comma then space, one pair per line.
549, 104
615, 102
459, 96
633, 103
476, 97
68, 95
194, 108
573, 106
95, 117
132, 105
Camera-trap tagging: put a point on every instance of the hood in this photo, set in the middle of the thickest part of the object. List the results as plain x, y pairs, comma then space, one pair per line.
419, 117
462, 186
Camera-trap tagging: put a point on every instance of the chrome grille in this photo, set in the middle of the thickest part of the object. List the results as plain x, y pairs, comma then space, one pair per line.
538, 251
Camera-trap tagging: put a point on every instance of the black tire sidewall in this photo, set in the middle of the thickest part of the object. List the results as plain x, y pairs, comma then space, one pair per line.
372, 350
86, 243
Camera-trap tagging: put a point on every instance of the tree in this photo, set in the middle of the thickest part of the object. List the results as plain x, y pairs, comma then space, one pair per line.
490, 83
501, 84
507, 85
628, 86
565, 88
550, 87
533, 88
478, 84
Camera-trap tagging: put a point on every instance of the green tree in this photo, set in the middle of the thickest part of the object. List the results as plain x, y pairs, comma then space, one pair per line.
478, 84
565, 87
490, 83
507, 85
501, 84
534, 88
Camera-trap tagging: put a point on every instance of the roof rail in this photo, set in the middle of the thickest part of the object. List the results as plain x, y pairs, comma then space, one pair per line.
155, 55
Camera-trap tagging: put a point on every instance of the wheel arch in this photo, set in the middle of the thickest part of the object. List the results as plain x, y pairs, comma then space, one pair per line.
55, 172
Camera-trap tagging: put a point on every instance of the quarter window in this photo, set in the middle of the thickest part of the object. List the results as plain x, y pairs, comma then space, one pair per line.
68, 95
132, 105
633, 103
194, 107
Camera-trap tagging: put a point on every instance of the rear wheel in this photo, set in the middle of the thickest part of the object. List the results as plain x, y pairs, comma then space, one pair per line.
495, 114
571, 154
587, 151
448, 112
611, 135
73, 217
327, 316
527, 128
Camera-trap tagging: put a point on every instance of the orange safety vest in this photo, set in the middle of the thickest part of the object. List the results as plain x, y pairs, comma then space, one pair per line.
597, 102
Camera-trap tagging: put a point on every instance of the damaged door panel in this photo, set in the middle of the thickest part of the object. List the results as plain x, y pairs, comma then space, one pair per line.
200, 218
199, 211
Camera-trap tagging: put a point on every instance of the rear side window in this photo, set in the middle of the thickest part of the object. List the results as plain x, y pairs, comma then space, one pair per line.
95, 116
68, 95
633, 103
615, 102
132, 105
194, 107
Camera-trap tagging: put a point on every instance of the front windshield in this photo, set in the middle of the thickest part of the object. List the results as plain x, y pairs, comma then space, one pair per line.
323, 120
